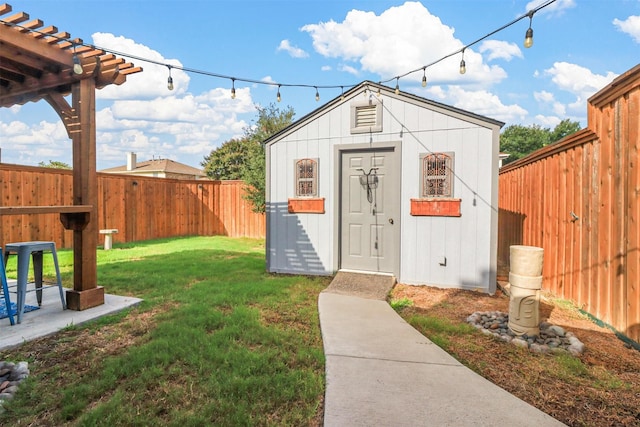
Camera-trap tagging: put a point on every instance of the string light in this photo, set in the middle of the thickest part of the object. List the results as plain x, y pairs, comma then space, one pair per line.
317, 95
528, 37
341, 93
77, 66
518, 19
233, 88
170, 79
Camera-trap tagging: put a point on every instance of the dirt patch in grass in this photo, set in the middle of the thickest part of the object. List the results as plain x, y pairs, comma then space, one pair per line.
599, 388
74, 355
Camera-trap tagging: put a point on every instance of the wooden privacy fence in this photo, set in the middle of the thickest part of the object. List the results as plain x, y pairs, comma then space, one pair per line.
579, 199
140, 208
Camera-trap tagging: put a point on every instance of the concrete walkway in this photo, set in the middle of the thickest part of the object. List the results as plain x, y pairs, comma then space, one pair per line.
380, 371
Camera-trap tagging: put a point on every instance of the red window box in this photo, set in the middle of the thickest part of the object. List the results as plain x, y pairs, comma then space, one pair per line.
435, 207
306, 205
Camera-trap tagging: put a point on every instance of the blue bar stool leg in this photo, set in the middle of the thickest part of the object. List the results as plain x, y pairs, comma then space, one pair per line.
37, 275
58, 278
23, 276
5, 291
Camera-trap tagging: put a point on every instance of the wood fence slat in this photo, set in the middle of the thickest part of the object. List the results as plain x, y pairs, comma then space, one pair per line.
594, 258
141, 208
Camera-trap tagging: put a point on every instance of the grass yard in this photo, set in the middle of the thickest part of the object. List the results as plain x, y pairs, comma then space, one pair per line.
217, 341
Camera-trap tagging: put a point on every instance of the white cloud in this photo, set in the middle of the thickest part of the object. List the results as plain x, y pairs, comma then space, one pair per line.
349, 69
578, 81
548, 100
630, 26
30, 144
152, 81
547, 121
386, 44
543, 96
500, 50
485, 103
293, 51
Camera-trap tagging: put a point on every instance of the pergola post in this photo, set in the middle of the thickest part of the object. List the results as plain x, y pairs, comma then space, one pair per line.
38, 62
86, 293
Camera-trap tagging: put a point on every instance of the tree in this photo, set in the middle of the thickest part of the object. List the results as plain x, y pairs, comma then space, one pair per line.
518, 141
54, 164
229, 160
244, 158
562, 129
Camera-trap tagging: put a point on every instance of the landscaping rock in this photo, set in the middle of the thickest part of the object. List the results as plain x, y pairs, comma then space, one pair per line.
552, 339
12, 375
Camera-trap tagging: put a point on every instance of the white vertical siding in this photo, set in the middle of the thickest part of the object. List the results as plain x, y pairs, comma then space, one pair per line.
304, 243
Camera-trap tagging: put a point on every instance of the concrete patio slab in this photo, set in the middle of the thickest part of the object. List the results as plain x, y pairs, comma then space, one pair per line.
51, 318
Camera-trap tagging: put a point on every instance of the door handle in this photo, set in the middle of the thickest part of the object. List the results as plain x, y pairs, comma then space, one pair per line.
391, 221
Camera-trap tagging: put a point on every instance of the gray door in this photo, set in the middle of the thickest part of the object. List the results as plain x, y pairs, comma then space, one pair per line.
369, 210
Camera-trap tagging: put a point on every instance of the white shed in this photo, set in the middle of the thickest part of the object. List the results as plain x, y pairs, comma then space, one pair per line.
379, 181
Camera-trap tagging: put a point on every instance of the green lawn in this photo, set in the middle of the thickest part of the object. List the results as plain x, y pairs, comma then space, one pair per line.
217, 341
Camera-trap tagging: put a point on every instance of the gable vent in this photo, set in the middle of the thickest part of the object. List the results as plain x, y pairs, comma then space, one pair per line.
366, 117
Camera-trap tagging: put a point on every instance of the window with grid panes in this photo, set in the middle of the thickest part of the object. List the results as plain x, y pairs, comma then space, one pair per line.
437, 175
306, 178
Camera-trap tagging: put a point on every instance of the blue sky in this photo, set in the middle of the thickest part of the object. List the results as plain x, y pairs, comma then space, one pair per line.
579, 47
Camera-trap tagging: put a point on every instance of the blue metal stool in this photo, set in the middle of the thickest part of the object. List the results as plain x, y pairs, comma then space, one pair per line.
35, 250
5, 292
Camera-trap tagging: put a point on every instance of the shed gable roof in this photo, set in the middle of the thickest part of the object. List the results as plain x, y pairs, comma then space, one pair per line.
376, 87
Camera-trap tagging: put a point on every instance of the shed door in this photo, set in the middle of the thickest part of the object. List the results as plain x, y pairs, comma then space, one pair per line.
369, 209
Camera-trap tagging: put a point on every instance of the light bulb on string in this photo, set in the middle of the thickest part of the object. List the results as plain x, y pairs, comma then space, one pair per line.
170, 79
528, 37
278, 97
424, 77
77, 66
233, 88
341, 93
397, 86
463, 65
317, 95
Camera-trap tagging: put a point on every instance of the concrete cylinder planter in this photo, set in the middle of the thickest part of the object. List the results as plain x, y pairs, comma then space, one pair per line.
525, 279
527, 282
526, 260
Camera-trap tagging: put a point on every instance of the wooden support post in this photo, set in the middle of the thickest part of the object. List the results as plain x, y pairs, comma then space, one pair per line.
85, 293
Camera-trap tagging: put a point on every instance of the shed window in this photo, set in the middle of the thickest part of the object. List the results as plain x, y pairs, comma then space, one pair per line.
437, 175
306, 177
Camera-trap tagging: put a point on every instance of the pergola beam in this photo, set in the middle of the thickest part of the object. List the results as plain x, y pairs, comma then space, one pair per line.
30, 46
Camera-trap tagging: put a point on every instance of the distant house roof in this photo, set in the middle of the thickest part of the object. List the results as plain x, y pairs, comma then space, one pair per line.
159, 167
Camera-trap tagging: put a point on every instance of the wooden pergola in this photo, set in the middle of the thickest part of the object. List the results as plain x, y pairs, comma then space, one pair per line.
37, 63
